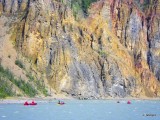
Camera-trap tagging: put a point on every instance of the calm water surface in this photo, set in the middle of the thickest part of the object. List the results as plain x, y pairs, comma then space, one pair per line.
83, 110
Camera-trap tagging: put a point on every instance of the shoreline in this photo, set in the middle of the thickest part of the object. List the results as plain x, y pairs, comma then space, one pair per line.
21, 100
14, 100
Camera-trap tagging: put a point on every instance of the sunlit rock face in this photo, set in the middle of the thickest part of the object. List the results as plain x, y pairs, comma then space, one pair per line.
113, 51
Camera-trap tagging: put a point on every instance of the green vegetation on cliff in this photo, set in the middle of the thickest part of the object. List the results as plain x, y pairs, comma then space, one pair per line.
83, 5
5, 88
146, 4
6, 78
19, 63
39, 84
86, 4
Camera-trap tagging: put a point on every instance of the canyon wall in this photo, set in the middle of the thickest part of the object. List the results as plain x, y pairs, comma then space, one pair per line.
112, 51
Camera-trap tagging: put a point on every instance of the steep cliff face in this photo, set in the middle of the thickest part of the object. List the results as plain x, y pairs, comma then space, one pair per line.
136, 25
113, 51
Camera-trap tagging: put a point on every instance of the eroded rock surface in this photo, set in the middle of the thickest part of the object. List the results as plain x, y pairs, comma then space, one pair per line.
114, 51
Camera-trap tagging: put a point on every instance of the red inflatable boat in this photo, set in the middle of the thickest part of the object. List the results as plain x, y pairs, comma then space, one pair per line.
26, 103
128, 102
32, 103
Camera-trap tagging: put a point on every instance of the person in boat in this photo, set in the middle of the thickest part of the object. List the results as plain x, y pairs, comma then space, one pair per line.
33, 102
60, 102
26, 103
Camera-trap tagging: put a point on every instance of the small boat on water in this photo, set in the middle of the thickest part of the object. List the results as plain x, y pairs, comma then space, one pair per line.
32, 103
60, 103
129, 102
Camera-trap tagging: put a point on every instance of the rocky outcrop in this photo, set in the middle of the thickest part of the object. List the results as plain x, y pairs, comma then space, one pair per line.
137, 31
111, 52
13, 6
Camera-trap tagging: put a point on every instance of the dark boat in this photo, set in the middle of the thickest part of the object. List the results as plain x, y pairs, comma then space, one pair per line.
61, 103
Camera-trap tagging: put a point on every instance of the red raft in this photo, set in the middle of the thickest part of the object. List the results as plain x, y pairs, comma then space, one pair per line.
32, 103
128, 102
26, 103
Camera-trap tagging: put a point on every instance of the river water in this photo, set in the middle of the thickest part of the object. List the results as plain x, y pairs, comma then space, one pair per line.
83, 110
